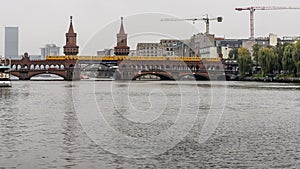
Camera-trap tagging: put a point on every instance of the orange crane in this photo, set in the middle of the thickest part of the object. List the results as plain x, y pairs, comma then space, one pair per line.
206, 19
254, 8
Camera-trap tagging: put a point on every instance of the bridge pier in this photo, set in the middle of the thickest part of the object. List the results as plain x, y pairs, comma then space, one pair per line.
72, 74
24, 75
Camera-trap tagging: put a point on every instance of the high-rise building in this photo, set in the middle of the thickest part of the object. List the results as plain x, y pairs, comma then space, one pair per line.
49, 50
11, 44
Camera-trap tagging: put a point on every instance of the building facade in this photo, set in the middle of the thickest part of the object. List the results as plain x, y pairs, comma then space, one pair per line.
148, 49
202, 45
105, 52
11, 44
168, 46
50, 50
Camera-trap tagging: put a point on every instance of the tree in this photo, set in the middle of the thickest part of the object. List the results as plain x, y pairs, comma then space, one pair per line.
298, 68
255, 49
233, 54
244, 61
266, 59
279, 49
296, 55
287, 60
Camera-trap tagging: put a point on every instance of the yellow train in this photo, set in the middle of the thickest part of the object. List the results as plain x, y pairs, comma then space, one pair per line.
115, 58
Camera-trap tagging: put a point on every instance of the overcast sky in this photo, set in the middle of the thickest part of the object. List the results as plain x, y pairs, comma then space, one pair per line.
46, 21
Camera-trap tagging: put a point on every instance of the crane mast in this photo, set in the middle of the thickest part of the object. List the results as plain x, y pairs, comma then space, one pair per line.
252, 9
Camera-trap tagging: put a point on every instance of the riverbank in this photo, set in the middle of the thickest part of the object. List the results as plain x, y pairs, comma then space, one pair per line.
271, 79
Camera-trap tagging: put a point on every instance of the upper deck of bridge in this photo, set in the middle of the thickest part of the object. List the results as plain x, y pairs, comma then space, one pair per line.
137, 58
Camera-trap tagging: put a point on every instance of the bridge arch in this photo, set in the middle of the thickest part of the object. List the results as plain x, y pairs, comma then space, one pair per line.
31, 67
197, 76
13, 67
37, 67
161, 75
45, 72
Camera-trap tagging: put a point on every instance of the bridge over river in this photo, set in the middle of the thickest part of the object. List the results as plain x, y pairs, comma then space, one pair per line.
164, 67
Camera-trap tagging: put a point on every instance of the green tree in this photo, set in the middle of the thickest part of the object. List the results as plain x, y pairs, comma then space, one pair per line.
255, 49
279, 49
287, 60
233, 54
296, 55
244, 61
266, 59
298, 68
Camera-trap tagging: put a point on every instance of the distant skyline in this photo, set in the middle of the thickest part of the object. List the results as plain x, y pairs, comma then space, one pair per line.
43, 21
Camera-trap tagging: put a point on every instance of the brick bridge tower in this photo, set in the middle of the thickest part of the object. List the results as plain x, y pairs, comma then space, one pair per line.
122, 48
71, 48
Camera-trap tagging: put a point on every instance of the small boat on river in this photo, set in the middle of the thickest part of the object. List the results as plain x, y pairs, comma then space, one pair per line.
5, 74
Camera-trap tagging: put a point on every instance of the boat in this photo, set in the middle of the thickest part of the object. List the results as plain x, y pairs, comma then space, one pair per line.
4, 74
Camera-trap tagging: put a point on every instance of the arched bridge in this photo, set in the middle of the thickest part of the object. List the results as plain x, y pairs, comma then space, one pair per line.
164, 67
204, 69
25, 68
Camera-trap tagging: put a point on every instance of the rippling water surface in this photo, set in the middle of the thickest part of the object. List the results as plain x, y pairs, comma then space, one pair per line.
43, 125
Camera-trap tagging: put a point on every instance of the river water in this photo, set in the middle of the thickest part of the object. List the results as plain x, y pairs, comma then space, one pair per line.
149, 124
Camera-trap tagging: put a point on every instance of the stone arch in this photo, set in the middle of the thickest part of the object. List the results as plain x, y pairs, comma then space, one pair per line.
14, 67
44, 72
197, 76
174, 67
168, 67
37, 67
207, 67
161, 75
31, 67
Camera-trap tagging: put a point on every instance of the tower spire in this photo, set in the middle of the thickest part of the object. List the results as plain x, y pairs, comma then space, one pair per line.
71, 47
122, 31
71, 29
122, 48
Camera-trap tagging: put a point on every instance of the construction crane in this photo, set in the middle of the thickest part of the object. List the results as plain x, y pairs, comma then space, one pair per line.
254, 8
206, 19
